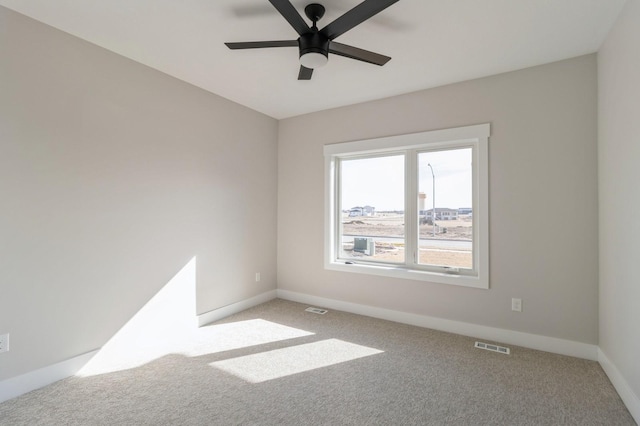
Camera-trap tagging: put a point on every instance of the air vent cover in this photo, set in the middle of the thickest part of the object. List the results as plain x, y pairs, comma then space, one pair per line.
316, 310
493, 348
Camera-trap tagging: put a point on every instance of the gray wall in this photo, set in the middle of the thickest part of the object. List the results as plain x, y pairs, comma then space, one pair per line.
112, 177
619, 174
542, 190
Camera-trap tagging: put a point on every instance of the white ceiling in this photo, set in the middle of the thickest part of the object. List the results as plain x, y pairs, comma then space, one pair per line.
432, 42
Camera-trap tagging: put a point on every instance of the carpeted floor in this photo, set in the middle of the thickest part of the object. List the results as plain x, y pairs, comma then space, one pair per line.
276, 364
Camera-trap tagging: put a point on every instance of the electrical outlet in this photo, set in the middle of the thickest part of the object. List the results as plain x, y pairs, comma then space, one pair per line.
4, 342
257, 276
516, 305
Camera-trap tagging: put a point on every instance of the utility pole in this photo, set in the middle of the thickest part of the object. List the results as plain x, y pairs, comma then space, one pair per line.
433, 199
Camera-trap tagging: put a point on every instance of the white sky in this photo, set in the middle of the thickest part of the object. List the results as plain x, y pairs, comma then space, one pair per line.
379, 182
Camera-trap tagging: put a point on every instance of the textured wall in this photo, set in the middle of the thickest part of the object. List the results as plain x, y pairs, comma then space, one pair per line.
542, 190
112, 177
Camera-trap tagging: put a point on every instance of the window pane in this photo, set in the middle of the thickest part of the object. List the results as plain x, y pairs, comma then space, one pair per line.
372, 216
446, 240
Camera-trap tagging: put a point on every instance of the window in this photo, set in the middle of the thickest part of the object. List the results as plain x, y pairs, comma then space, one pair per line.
412, 206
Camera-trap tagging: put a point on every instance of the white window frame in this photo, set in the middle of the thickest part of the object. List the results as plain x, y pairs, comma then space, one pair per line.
476, 137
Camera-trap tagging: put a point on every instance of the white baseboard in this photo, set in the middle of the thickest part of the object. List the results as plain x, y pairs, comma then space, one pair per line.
22, 384
627, 395
527, 340
225, 311
16, 386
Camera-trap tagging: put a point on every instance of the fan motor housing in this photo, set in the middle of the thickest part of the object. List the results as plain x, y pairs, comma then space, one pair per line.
313, 43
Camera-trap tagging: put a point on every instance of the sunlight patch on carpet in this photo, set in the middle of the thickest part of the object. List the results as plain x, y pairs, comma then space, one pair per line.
270, 365
167, 325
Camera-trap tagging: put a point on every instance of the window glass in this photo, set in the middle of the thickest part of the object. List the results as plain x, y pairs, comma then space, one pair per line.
372, 209
445, 183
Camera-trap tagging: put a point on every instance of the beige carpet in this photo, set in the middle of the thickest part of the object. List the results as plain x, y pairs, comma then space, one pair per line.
276, 364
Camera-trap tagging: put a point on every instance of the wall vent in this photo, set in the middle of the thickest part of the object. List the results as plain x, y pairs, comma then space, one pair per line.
493, 348
316, 310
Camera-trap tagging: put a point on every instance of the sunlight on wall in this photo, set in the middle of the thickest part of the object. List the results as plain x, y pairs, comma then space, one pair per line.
167, 325
278, 363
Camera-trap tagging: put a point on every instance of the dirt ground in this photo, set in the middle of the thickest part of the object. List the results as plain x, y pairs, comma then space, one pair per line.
395, 253
392, 225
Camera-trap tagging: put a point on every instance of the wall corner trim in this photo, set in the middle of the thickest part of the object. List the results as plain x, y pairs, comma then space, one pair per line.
518, 338
630, 399
19, 385
234, 308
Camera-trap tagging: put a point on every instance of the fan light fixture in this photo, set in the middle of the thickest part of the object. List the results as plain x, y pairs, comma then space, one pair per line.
314, 45
313, 60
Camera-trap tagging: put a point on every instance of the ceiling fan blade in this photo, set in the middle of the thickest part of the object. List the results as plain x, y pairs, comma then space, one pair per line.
292, 16
355, 16
358, 54
261, 44
305, 73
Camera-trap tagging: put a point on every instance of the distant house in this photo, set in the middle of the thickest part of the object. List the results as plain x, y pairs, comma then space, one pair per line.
465, 210
443, 214
362, 211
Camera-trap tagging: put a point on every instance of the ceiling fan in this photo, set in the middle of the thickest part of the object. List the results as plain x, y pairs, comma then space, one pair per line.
315, 45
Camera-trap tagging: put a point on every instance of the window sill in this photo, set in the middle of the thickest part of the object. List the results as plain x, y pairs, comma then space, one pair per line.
410, 274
